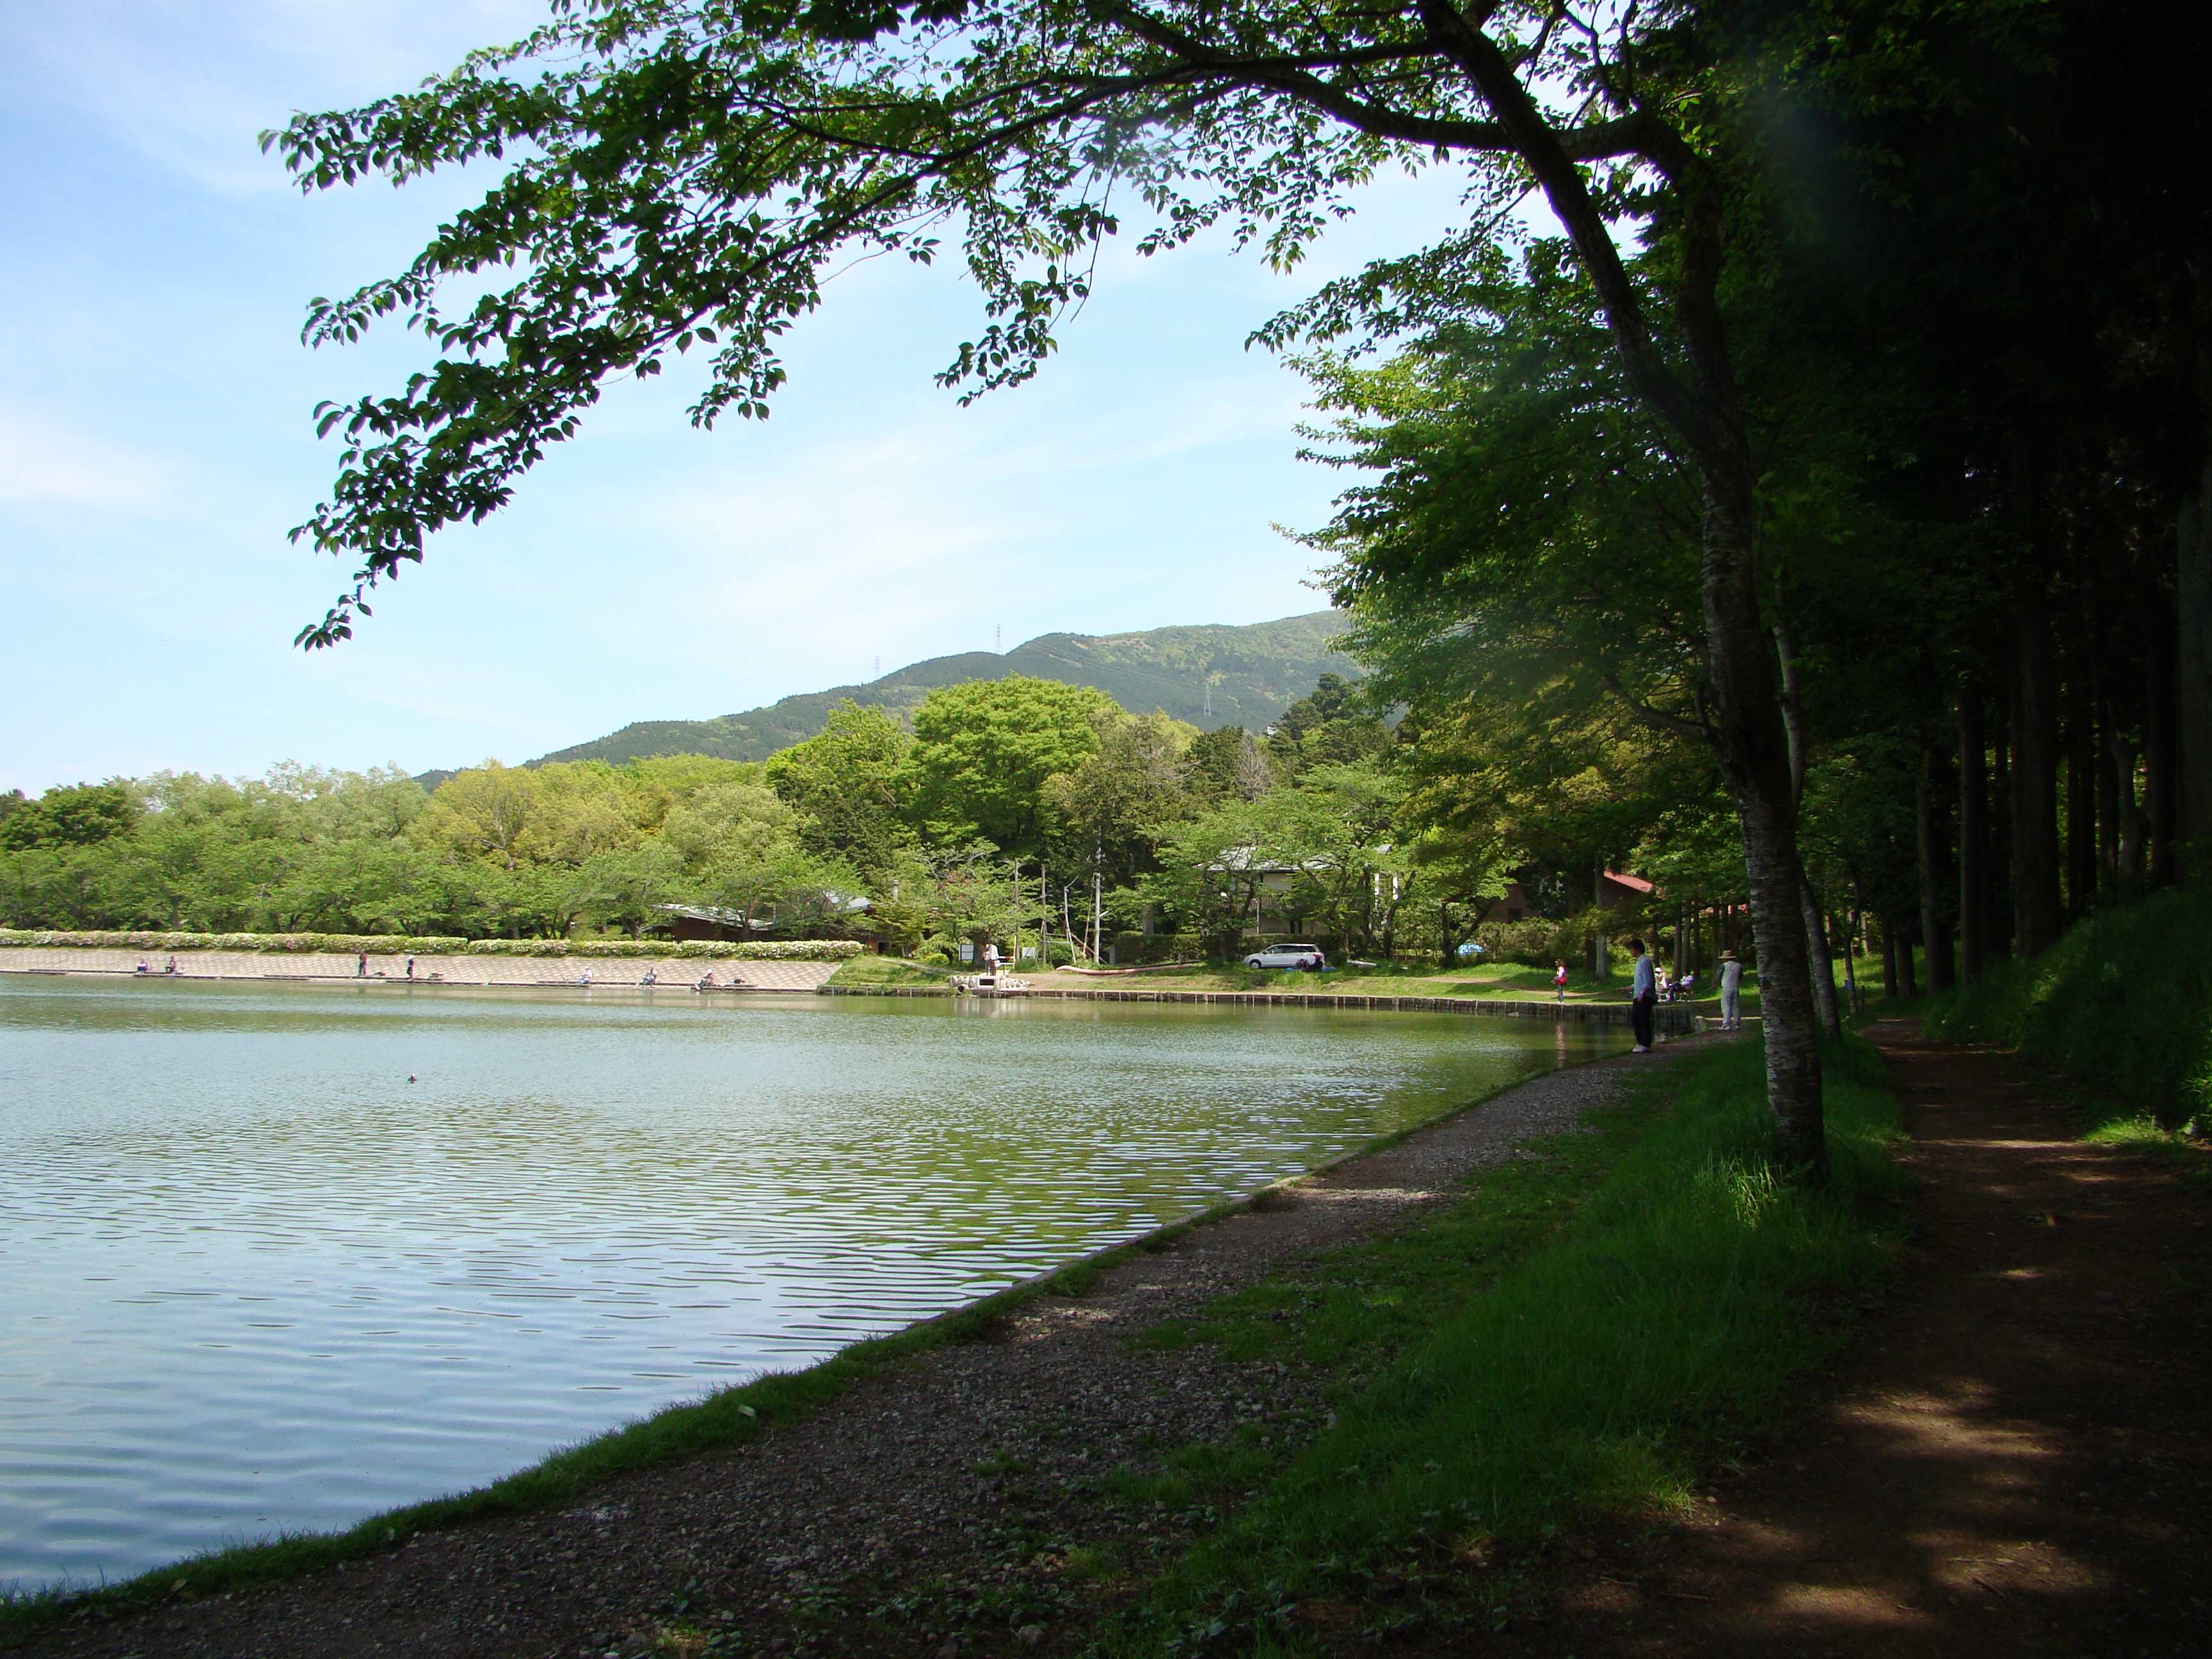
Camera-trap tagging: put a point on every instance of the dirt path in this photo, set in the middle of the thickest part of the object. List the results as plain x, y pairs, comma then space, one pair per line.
976, 1465
2016, 1460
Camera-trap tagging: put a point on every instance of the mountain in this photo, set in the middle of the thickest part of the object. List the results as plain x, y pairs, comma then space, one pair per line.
1208, 676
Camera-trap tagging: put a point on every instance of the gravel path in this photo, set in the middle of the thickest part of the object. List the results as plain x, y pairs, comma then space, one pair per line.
952, 1489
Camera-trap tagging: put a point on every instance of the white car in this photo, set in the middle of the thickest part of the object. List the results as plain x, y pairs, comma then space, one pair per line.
1288, 955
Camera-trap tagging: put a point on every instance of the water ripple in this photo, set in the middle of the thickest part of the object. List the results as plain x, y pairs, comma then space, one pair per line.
257, 1281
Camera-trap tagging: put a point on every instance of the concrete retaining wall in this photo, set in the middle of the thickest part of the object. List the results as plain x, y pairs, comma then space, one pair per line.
677, 971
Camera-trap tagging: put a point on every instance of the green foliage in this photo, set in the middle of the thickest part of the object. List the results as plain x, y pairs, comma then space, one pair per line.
1580, 1336
1115, 802
76, 815
851, 785
2123, 1002
639, 214
1229, 764
983, 751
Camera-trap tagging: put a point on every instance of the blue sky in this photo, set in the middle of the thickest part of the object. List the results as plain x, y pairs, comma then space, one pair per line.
155, 443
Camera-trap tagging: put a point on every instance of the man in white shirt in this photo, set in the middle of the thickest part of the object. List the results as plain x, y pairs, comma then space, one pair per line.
1731, 992
1643, 996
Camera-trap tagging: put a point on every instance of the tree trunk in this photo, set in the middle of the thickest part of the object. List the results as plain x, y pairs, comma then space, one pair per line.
2108, 805
1936, 937
1905, 963
1999, 927
2080, 806
1892, 983
1598, 968
1973, 837
2036, 913
2159, 742
1701, 405
2192, 784
1819, 958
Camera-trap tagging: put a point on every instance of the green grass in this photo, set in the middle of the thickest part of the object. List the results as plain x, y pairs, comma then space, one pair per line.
1581, 1338
1502, 981
888, 970
2122, 1003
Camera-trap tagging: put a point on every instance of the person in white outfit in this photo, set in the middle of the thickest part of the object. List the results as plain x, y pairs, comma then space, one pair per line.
1731, 992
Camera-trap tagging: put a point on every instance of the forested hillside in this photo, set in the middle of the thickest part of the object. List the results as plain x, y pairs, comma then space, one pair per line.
1207, 676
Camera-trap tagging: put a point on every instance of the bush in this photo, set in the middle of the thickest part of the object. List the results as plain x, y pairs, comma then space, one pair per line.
757, 950
2124, 1002
1536, 941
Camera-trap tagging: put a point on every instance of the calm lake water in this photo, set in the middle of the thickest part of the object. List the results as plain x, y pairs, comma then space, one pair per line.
254, 1280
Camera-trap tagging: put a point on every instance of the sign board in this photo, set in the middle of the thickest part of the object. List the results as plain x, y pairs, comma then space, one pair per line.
966, 949
1028, 953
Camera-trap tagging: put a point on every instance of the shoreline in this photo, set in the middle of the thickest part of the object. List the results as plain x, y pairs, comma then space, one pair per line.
740, 977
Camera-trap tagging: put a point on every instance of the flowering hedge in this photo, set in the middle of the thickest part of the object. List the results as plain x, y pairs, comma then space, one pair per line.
347, 944
305, 943
764, 950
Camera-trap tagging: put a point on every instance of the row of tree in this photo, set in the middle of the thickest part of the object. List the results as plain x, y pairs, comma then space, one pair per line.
1010, 805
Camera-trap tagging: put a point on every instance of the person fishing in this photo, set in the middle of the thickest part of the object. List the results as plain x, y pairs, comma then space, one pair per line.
1644, 993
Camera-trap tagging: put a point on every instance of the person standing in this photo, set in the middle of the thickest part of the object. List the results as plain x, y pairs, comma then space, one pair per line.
361, 966
1731, 992
991, 957
1559, 978
411, 967
1644, 994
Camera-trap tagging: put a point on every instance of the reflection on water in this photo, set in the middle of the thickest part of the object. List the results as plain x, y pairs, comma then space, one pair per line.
255, 1279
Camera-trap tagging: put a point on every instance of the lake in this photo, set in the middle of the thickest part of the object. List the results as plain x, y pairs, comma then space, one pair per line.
255, 1279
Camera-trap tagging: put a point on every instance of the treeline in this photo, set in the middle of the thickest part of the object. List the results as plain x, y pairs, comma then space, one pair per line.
1010, 808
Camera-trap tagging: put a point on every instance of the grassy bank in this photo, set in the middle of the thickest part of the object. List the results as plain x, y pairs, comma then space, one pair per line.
2123, 1003
1580, 1338
891, 971
1504, 982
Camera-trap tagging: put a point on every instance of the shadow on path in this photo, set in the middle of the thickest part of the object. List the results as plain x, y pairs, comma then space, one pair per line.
2014, 1458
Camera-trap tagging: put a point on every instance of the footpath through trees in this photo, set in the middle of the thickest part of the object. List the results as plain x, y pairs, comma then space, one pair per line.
2016, 1458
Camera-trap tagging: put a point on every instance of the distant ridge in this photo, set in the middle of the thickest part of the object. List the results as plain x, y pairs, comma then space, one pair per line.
1254, 672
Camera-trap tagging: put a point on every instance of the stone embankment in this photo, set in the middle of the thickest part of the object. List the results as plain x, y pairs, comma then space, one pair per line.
679, 973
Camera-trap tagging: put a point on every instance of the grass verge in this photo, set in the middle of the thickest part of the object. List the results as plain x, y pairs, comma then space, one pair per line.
2122, 1003
888, 970
1580, 1339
